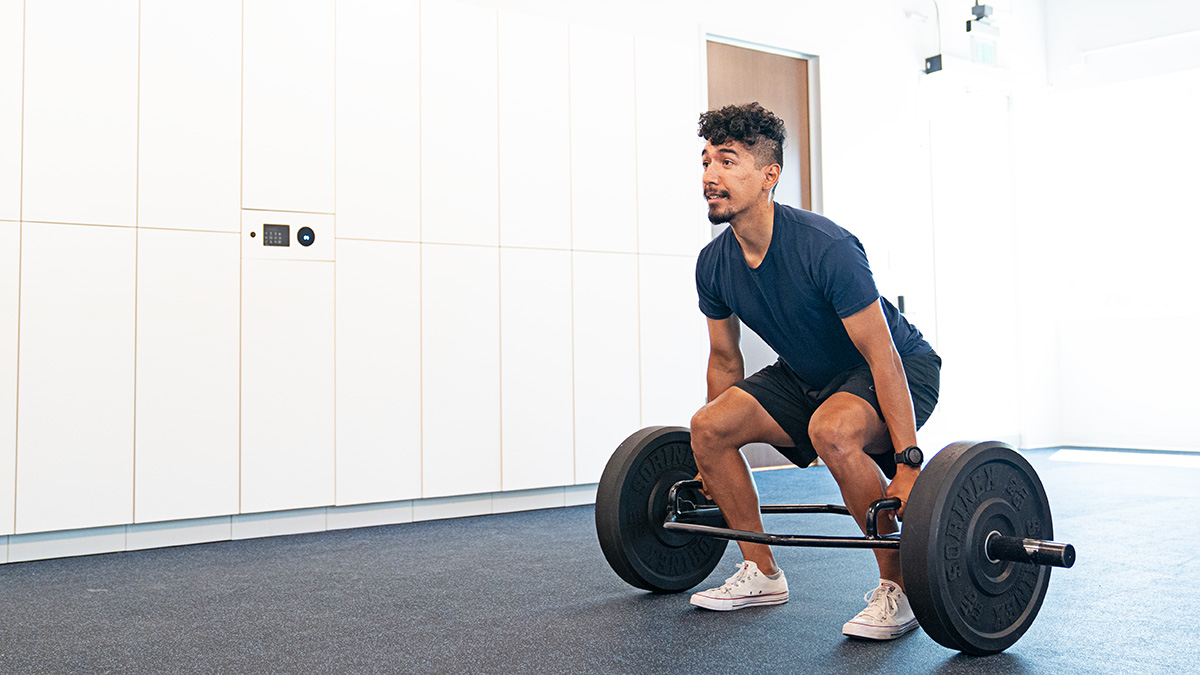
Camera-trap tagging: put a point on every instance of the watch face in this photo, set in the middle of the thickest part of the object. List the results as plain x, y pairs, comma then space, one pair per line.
912, 456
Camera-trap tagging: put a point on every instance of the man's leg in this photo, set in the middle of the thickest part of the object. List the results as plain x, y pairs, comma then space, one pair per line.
719, 430
841, 429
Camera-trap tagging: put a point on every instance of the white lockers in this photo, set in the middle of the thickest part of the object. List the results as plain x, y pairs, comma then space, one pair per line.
288, 85
460, 193
500, 289
11, 75
80, 117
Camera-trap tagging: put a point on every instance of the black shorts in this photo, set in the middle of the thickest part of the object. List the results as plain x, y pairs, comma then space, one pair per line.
791, 401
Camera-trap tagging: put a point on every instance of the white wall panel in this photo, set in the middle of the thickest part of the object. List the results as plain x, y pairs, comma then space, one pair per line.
188, 326
607, 386
980, 377
190, 115
459, 124
536, 369
81, 79
535, 132
1092, 161
75, 422
378, 371
378, 119
460, 380
674, 341
670, 219
1094, 413
12, 56
287, 384
288, 105
604, 185
10, 285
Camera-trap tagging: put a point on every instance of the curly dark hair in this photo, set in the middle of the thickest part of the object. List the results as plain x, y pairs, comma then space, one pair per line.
749, 123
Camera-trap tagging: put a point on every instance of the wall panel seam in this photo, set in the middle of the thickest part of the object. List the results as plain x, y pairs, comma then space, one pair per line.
420, 254
382, 241
55, 222
335, 276
638, 227
499, 257
318, 213
241, 243
20, 276
137, 239
185, 229
571, 263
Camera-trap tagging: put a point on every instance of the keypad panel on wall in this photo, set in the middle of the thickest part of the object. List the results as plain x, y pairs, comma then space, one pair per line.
281, 235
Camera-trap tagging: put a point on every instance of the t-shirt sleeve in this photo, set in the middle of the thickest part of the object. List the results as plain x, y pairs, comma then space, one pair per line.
845, 277
711, 303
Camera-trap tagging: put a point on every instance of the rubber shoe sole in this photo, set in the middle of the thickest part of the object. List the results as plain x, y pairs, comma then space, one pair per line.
730, 604
865, 631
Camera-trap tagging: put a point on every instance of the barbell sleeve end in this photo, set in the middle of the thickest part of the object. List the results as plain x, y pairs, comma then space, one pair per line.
1034, 551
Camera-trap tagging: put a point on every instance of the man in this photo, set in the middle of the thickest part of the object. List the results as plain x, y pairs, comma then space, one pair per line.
854, 380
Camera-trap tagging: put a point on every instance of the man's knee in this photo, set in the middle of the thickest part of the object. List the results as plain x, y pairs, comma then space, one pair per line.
835, 434
708, 430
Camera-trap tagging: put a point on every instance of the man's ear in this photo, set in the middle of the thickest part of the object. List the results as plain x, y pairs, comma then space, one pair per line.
771, 176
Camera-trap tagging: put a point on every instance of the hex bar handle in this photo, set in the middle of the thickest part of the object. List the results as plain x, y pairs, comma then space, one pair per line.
872, 523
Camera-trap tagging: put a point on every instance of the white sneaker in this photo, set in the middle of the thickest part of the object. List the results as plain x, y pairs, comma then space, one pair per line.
887, 616
746, 588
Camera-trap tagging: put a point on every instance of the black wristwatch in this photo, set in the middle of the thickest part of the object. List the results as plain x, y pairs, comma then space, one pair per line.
912, 456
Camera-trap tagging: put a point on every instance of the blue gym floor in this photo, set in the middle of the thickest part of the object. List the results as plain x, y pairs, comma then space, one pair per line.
531, 593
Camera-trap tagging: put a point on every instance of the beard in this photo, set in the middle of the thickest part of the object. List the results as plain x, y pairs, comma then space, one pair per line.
717, 217
720, 217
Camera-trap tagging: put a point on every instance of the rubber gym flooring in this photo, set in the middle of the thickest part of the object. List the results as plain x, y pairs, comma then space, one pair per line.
531, 593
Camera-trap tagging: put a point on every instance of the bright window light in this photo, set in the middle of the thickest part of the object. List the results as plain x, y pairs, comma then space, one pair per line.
1174, 459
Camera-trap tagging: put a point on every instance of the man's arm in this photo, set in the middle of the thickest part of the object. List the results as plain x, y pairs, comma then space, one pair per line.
725, 364
869, 331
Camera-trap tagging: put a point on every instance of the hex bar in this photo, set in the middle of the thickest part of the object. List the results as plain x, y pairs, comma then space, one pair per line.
689, 519
700, 511
703, 512
887, 541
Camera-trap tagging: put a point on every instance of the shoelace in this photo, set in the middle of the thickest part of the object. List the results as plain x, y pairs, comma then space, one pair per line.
741, 576
881, 603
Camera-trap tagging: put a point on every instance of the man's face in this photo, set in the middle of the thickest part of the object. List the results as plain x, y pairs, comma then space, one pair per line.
732, 182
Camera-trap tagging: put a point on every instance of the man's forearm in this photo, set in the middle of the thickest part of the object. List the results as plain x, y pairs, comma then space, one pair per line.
722, 375
895, 401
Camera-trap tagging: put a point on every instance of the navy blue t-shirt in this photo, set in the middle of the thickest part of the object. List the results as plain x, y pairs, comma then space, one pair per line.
814, 275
